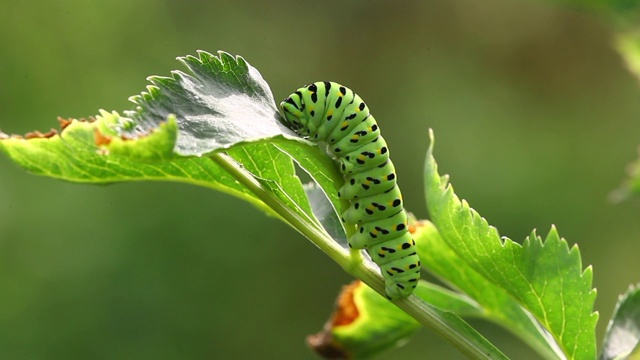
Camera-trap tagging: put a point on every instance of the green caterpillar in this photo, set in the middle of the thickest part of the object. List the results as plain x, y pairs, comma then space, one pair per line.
327, 112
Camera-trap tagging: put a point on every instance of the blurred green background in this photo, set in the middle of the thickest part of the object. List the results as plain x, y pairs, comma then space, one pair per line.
534, 115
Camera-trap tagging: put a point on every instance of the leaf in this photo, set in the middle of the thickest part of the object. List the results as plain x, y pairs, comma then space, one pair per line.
365, 324
325, 213
545, 277
74, 156
623, 332
448, 300
276, 172
320, 167
493, 302
224, 103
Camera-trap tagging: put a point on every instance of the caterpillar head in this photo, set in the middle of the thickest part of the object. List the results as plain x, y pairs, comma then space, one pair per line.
294, 114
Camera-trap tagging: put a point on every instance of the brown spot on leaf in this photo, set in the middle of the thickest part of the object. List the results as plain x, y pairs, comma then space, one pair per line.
416, 225
64, 122
38, 135
345, 312
49, 134
100, 139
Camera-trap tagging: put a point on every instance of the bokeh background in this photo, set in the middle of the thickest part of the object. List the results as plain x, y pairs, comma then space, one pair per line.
534, 115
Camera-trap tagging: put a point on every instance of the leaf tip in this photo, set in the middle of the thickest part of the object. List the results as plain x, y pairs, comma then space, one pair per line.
225, 55
104, 113
432, 139
64, 122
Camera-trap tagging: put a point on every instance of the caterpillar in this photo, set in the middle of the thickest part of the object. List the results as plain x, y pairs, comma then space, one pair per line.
329, 113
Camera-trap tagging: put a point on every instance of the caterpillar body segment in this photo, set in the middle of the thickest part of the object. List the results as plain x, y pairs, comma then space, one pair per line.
377, 180
329, 113
373, 208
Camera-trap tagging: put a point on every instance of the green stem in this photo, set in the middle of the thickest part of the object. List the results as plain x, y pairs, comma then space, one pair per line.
317, 235
474, 347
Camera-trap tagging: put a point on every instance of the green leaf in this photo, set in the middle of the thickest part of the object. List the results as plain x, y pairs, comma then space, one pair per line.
623, 332
325, 213
74, 156
275, 170
493, 302
365, 324
224, 103
320, 167
448, 300
545, 277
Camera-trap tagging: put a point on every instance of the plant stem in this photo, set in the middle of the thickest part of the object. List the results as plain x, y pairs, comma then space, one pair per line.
470, 343
316, 234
